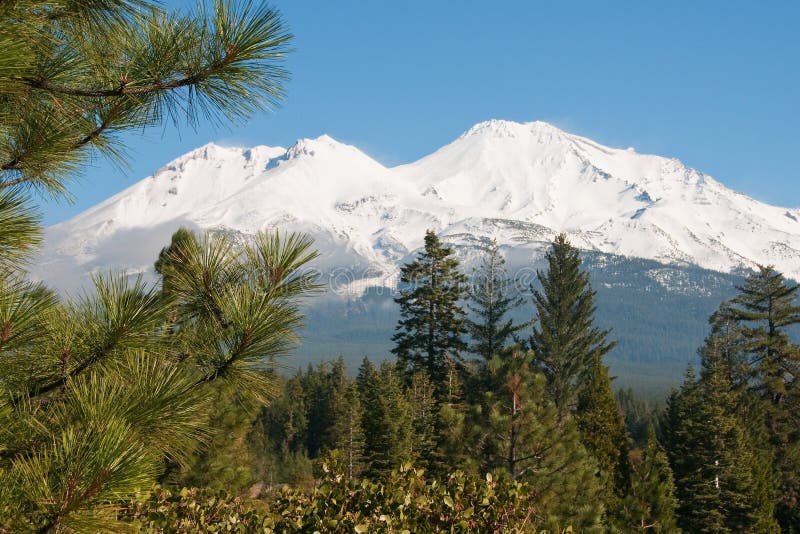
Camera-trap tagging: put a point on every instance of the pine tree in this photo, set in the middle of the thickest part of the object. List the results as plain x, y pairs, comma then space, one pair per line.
421, 395
651, 504
638, 416
280, 433
346, 434
565, 340
388, 430
716, 460
765, 309
428, 334
225, 462
96, 393
492, 298
520, 434
604, 435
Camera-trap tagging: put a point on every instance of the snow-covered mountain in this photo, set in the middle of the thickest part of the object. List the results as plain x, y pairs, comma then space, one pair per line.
518, 183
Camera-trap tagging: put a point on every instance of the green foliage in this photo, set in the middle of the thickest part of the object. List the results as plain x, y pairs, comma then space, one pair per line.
764, 310
431, 324
116, 389
517, 431
565, 340
639, 415
407, 502
404, 502
492, 299
651, 504
722, 478
604, 435
190, 510
98, 393
74, 75
388, 431
21, 231
345, 436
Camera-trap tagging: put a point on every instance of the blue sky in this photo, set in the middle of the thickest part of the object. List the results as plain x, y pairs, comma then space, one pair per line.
713, 83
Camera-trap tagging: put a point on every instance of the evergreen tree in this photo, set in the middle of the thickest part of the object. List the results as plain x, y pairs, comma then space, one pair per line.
96, 393
717, 463
651, 504
565, 340
388, 430
604, 435
73, 76
421, 395
279, 437
428, 334
520, 434
225, 463
450, 454
638, 416
346, 434
181, 239
492, 298
765, 309
172, 253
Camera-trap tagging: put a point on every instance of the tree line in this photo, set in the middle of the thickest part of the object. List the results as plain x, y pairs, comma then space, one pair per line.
473, 391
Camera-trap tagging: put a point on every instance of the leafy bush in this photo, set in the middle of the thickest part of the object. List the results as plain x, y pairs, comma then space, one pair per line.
404, 502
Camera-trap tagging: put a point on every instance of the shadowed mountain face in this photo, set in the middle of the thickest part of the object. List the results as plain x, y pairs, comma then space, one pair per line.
520, 184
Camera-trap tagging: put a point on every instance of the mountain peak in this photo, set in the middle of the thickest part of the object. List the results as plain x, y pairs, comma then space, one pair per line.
506, 128
519, 182
311, 147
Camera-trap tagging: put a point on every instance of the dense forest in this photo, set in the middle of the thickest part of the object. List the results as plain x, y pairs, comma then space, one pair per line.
167, 408
472, 392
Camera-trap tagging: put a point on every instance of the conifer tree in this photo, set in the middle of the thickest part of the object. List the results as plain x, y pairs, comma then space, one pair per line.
520, 434
604, 435
651, 505
345, 413
492, 298
96, 393
565, 340
225, 462
421, 395
429, 333
765, 309
717, 463
282, 427
638, 416
388, 430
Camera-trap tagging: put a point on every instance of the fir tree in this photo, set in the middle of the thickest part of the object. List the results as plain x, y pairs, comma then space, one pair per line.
765, 309
651, 504
565, 340
280, 434
431, 324
388, 430
492, 298
717, 463
421, 395
604, 435
638, 416
346, 434
225, 463
520, 434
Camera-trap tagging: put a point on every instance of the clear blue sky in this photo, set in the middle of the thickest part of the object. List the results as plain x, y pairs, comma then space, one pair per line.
713, 83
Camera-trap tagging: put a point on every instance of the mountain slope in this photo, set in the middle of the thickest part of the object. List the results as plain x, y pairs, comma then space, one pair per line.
518, 183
